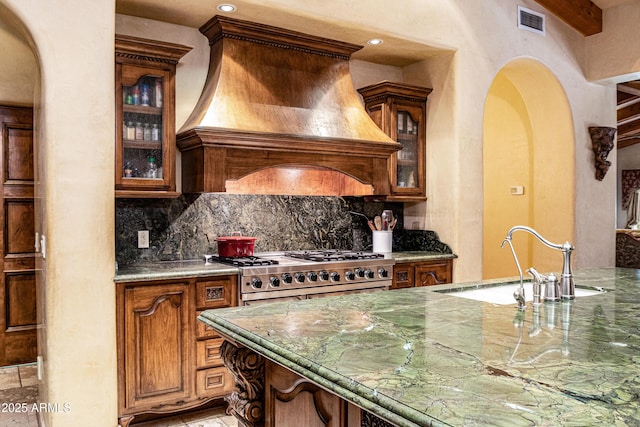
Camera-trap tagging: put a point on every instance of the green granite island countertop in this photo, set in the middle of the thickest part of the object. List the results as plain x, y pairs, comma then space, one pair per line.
418, 357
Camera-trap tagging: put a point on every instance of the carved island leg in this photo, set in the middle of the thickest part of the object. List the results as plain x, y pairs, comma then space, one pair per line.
246, 402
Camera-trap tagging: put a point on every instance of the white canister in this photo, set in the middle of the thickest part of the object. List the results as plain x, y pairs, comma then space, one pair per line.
382, 241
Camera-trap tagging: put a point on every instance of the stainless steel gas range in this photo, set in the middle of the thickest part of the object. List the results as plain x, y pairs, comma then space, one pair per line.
296, 275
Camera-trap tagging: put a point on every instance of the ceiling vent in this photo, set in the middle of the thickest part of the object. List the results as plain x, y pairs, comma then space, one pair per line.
531, 20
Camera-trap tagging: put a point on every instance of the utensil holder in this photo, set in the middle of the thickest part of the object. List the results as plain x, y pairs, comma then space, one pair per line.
382, 240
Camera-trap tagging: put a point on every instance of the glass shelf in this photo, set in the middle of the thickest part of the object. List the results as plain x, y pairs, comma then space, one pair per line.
143, 117
407, 158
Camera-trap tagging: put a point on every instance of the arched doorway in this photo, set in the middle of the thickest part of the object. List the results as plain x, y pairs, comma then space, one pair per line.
528, 168
18, 77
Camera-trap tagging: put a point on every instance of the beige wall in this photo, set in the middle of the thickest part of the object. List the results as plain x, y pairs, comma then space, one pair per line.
74, 112
483, 43
614, 54
18, 67
74, 115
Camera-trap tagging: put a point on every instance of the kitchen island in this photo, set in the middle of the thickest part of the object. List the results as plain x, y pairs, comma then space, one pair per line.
421, 356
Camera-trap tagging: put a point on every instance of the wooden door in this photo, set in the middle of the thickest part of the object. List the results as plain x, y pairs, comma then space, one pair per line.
17, 282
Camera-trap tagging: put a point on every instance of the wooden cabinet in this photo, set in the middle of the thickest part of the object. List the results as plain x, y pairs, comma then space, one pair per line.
212, 378
400, 111
145, 117
167, 360
424, 273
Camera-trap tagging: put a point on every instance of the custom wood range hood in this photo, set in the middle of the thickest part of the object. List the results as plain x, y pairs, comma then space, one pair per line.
275, 98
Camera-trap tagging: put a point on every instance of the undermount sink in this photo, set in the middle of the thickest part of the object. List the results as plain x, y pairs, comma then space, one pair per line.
503, 294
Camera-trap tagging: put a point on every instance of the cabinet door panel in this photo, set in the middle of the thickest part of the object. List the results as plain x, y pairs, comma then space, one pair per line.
157, 350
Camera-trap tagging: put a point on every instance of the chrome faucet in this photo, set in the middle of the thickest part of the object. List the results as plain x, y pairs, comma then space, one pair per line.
550, 282
567, 286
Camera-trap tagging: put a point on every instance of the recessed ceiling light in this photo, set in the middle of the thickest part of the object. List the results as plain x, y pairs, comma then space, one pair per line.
226, 7
375, 41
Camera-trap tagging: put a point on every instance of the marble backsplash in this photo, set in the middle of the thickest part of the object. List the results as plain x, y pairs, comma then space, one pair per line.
187, 227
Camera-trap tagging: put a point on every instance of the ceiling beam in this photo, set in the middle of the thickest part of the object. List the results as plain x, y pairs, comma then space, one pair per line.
630, 129
632, 88
628, 142
582, 15
628, 113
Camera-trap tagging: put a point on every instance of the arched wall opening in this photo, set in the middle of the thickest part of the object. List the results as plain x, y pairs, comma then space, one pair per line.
74, 203
528, 168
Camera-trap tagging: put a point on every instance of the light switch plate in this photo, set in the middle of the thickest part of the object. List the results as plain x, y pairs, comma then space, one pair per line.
143, 239
517, 190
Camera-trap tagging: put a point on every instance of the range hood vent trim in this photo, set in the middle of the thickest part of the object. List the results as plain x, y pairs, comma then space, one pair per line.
313, 117
222, 27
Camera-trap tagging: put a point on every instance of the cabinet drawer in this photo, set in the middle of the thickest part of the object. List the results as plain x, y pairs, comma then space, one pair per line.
433, 274
213, 382
203, 330
402, 276
216, 293
208, 352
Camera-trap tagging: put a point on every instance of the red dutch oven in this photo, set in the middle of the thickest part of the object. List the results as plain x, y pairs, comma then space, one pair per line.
235, 246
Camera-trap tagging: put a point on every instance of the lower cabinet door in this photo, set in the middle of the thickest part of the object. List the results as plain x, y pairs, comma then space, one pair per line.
157, 336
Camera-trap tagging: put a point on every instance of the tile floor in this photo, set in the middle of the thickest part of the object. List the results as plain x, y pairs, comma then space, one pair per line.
208, 418
19, 385
18, 391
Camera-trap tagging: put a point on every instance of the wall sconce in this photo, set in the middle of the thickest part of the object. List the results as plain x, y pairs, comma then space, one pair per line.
602, 143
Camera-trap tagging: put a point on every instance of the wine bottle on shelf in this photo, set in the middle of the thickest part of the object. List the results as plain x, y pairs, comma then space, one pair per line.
136, 95
155, 133
144, 94
139, 131
131, 131
158, 92
152, 168
147, 132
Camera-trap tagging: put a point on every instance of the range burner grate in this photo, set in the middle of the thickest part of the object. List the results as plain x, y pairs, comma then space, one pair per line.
332, 255
241, 261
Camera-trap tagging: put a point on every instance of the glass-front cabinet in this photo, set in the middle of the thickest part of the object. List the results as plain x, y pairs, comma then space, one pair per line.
145, 117
400, 111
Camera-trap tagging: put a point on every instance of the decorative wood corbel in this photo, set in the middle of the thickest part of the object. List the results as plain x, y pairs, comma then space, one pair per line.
246, 402
602, 143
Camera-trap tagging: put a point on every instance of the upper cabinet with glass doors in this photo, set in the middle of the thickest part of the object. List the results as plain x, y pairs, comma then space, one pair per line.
145, 116
400, 111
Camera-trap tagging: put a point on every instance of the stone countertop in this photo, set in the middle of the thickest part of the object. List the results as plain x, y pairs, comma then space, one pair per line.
172, 270
419, 357
197, 268
419, 256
